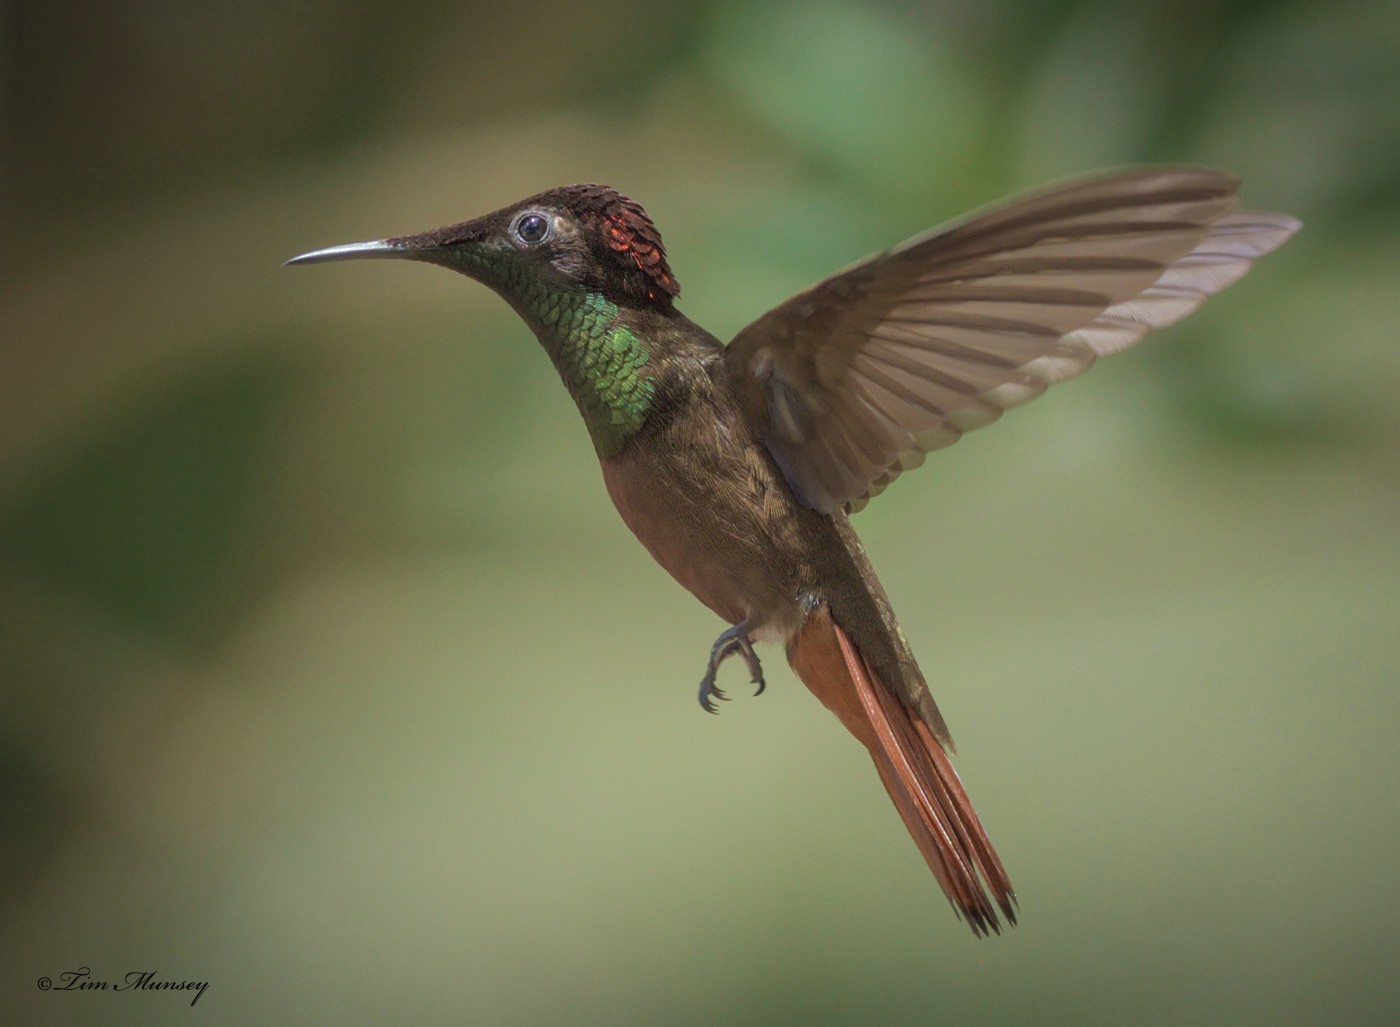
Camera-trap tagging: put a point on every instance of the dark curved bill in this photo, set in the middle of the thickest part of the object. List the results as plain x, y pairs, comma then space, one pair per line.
349, 251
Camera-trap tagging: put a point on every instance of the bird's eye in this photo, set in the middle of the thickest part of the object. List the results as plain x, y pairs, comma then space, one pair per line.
532, 228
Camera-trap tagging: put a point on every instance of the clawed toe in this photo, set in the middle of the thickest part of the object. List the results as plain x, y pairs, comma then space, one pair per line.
735, 640
710, 691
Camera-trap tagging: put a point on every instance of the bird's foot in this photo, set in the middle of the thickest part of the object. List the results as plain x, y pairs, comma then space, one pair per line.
735, 640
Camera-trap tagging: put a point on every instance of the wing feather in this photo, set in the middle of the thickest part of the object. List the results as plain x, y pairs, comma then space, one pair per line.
850, 382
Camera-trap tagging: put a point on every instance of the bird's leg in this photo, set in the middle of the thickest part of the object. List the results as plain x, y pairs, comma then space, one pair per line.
735, 640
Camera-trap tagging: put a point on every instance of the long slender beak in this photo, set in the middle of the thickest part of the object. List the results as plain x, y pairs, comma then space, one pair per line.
380, 248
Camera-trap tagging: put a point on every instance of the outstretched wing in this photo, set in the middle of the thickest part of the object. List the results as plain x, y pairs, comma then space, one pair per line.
855, 379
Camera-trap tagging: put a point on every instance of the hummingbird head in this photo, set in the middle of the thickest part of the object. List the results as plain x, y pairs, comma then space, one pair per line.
585, 238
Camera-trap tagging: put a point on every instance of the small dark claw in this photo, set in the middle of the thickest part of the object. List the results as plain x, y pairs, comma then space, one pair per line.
709, 689
755, 668
735, 640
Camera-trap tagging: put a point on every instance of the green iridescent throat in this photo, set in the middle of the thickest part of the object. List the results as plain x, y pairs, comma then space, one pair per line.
606, 367
604, 364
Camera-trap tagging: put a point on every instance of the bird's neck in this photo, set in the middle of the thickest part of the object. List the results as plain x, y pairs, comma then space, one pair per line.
607, 367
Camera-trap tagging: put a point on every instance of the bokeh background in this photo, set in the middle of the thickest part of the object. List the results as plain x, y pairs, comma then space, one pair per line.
331, 677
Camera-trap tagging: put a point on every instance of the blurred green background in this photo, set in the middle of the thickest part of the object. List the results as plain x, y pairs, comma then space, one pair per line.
331, 677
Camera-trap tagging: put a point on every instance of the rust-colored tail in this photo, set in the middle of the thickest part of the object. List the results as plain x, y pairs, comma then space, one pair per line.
916, 771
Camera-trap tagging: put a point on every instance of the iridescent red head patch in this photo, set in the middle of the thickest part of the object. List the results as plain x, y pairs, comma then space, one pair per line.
628, 232
631, 234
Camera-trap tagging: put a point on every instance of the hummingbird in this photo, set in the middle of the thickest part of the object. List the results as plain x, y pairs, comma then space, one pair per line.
738, 466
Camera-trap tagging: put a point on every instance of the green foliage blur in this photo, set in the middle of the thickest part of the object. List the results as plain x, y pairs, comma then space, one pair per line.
331, 678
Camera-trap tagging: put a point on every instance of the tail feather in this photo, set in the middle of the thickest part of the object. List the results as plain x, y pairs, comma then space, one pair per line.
915, 769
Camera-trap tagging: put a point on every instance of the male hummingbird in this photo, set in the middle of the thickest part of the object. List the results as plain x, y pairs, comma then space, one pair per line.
737, 466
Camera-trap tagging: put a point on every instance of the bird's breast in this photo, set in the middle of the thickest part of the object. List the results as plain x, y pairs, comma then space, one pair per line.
712, 509
676, 535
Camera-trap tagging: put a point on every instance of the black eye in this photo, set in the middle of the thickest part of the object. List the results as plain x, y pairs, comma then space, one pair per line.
532, 228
